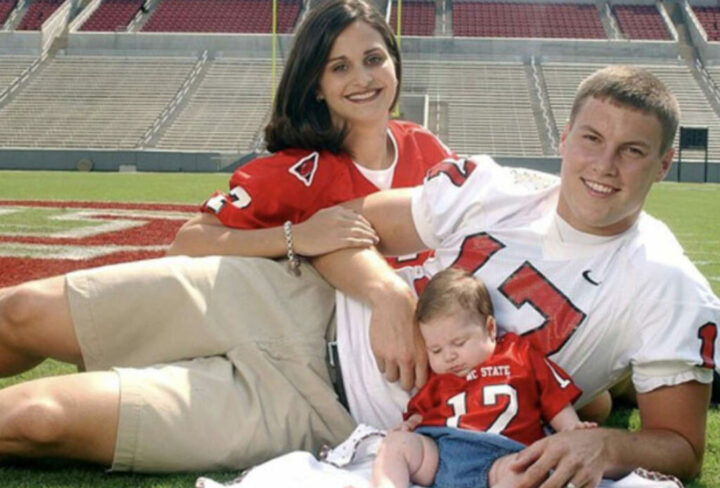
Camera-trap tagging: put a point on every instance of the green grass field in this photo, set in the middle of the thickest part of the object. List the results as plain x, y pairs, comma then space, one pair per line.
691, 210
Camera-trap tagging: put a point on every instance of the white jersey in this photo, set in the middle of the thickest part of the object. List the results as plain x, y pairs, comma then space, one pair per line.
600, 307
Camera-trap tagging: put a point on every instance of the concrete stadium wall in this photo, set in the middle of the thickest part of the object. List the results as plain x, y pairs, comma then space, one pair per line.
441, 48
152, 43
105, 160
170, 161
28, 42
690, 172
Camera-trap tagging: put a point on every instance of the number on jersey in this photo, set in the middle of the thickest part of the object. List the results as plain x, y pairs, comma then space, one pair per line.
490, 396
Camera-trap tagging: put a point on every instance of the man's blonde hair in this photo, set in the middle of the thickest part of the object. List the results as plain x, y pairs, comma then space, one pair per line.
633, 87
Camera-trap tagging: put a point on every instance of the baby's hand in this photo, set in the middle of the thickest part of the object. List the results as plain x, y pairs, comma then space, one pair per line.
584, 425
409, 424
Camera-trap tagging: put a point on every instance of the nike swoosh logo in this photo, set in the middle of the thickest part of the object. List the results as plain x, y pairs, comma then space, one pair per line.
586, 275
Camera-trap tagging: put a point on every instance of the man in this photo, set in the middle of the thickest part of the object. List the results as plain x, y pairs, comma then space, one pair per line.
599, 286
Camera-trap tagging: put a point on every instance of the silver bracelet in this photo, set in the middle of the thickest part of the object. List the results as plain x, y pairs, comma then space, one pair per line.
293, 262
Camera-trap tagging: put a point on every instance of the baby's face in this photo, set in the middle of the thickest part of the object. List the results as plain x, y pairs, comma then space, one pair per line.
458, 341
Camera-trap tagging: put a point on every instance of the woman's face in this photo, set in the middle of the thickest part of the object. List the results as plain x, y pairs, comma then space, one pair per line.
358, 82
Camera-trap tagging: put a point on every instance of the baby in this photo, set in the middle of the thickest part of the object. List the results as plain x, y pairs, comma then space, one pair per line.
484, 402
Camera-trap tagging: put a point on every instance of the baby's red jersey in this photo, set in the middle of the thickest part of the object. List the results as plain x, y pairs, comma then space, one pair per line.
509, 394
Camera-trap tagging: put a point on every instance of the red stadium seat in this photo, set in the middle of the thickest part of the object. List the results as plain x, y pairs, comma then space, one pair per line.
418, 17
6, 6
709, 18
250, 16
112, 15
508, 19
38, 13
641, 22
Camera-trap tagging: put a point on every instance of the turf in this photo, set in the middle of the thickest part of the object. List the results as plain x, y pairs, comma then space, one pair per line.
691, 210
111, 187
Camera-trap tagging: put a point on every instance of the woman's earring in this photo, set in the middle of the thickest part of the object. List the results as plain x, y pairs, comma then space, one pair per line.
319, 97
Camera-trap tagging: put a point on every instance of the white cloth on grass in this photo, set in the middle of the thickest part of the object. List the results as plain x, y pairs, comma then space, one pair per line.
350, 465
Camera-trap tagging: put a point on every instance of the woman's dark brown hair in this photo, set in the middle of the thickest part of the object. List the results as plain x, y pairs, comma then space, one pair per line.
299, 120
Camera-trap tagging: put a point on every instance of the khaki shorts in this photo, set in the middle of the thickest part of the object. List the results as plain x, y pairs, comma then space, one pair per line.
222, 360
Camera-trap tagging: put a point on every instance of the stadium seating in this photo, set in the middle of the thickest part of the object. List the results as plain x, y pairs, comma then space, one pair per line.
418, 17
119, 100
509, 19
477, 107
562, 80
709, 18
6, 7
641, 22
380, 5
112, 15
37, 13
228, 109
250, 16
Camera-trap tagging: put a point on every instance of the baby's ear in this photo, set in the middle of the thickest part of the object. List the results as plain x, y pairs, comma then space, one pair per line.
490, 326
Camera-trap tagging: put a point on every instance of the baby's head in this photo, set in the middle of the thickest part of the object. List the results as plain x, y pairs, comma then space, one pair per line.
455, 316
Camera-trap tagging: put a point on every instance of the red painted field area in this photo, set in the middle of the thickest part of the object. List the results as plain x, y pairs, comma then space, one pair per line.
114, 233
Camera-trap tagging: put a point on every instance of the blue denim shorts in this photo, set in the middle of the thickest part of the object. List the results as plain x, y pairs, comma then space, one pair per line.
466, 456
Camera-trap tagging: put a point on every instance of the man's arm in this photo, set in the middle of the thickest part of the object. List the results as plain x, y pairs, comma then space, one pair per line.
389, 212
396, 343
366, 276
671, 440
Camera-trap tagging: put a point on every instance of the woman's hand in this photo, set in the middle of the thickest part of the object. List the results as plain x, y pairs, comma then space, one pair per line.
331, 229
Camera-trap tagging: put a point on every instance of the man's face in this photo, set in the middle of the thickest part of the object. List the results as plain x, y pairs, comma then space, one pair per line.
610, 159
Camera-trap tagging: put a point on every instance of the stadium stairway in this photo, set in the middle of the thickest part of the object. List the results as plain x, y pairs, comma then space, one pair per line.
688, 51
443, 18
16, 15
540, 103
15, 87
143, 16
176, 105
607, 20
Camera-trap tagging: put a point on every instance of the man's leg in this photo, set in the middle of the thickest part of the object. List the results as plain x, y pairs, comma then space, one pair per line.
35, 323
73, 416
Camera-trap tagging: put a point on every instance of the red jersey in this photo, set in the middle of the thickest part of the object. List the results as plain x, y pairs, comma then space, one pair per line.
295, 183
509, 394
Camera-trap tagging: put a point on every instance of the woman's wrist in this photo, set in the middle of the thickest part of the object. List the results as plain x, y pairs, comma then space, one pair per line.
293, 260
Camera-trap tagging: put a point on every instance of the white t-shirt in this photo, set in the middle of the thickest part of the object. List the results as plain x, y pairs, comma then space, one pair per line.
600, 307
381, 178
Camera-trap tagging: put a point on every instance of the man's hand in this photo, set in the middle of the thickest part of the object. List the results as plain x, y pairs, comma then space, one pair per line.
395, 339
671, 440
580, 457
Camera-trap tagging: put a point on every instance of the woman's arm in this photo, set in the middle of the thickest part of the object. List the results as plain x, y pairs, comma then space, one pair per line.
328, 230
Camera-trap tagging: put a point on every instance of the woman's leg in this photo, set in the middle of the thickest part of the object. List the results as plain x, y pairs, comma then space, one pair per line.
35, 323
73, 416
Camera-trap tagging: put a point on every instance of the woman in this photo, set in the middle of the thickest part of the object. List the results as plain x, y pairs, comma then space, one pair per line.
332, 140
219, 362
